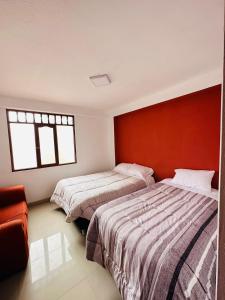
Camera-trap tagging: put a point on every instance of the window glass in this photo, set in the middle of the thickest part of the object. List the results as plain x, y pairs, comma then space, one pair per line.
65, 137
37, 118
70, 120
23, 146
64, 120
30, 117
58, 119
47, 145
21, 117
45, 118
35, 138
51, 119
12, 116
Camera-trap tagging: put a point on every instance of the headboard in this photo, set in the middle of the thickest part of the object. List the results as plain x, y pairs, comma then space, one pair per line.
179, 133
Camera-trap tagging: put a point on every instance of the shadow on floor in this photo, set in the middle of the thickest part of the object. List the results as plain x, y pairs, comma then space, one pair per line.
81, 223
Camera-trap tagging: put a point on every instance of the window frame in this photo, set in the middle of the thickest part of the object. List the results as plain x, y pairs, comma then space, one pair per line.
37, 142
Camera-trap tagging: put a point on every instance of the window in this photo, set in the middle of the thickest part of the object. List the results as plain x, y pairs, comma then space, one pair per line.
39, 140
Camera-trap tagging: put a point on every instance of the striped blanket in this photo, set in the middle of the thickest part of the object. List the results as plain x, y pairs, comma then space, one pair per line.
158, 243
80, 196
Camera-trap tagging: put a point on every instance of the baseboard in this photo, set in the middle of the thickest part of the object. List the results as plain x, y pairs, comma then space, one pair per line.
31, 204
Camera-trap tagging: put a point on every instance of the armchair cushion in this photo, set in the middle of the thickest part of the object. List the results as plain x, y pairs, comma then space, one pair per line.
14, 251
11, 195
12, 212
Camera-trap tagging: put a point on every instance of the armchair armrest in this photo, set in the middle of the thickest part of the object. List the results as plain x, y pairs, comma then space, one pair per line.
12, 194
14, 250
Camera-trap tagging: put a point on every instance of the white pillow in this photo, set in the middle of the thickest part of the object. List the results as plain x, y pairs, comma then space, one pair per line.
123, 168
142, 172
136, 170
214, 194
200, 179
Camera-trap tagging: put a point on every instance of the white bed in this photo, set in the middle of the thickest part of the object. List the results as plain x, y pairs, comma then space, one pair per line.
81, 196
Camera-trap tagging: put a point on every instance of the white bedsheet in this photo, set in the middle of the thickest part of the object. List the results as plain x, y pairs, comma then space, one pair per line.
81, 196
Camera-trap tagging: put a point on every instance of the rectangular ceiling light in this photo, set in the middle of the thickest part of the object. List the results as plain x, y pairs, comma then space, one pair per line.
100, 80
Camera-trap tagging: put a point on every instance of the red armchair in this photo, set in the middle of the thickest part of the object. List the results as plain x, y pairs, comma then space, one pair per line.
14, 251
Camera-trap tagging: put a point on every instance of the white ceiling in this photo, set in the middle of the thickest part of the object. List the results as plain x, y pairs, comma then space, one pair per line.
49, 48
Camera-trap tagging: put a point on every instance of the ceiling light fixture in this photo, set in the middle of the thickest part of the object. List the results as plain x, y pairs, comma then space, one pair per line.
100, 80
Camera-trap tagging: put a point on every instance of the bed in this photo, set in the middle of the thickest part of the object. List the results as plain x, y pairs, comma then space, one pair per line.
81, 196
158, 243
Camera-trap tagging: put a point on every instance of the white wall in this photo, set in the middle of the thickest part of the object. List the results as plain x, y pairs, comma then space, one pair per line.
94, 143
194, 84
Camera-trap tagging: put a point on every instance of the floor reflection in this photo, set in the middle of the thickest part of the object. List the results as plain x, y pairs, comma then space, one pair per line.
48, 254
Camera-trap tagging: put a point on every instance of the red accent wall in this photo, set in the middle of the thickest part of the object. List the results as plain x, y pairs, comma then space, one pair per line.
179, 133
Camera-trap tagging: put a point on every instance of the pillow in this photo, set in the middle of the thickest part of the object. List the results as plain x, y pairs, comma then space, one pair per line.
214, 194
136, 170
142, 170
200, 179
123, 168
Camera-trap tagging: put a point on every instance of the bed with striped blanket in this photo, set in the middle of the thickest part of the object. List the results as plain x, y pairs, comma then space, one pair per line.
80, 196
158, 243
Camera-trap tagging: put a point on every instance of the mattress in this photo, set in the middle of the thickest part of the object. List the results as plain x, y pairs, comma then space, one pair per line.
81, 196
158, 243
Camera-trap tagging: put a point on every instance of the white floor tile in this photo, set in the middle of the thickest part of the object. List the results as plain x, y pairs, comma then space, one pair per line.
57, 267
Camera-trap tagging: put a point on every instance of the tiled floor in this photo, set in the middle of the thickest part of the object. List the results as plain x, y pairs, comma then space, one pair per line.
57, 268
